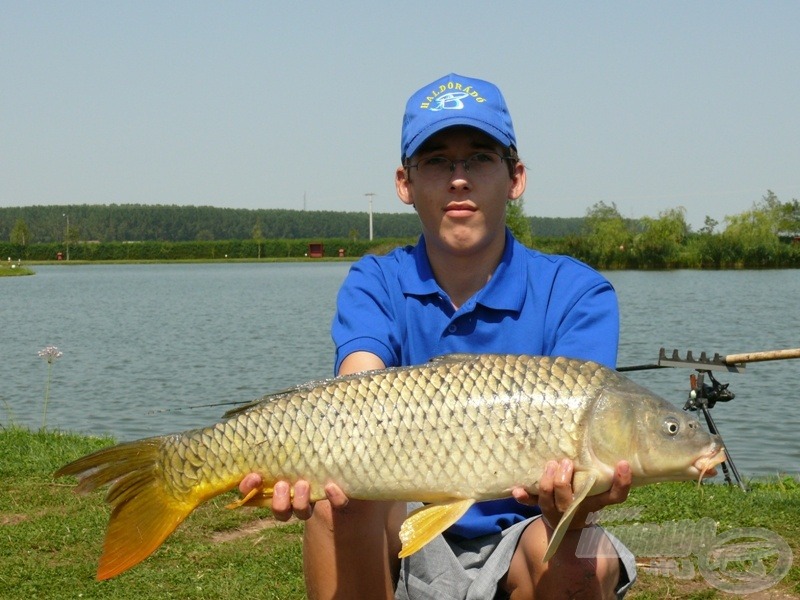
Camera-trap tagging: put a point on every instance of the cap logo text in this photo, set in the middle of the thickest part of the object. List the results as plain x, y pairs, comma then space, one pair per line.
450, 96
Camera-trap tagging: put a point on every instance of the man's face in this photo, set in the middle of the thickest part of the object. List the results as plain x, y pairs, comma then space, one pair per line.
461, 211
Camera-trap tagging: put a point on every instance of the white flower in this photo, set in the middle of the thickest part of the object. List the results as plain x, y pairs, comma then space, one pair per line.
50, 354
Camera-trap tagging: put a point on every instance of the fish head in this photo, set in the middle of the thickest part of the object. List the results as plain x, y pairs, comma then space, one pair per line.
659, 441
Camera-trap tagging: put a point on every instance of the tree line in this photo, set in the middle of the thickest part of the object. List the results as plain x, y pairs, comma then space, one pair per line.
139, 223
135, 222
768, 235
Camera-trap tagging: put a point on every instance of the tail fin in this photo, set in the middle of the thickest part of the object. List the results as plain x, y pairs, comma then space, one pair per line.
144, 513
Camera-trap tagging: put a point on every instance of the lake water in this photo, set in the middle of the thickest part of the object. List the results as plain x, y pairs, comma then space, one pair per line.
143, 343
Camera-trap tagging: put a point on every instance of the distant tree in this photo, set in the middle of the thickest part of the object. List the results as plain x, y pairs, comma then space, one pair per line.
709, 225
72, 234
517, 222
660, 242
20, 234
607, 236
556, 226
789, 217
762, 222
258, 235
754, 233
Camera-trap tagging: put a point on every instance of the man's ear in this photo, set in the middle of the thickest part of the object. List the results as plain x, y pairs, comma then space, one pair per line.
403, 186
518, 181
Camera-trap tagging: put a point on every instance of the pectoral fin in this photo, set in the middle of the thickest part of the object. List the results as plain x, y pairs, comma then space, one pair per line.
428, 521
259, 496
583, 489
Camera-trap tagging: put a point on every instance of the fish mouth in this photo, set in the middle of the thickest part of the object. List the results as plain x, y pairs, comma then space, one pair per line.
706, 464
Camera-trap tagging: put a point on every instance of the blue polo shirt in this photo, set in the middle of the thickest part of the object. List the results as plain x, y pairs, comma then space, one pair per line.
534, 303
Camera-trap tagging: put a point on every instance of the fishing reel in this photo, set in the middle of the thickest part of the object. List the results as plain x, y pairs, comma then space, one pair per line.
703, 395
702, 398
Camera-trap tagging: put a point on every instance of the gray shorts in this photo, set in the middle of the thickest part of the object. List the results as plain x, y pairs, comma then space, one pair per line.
449, 569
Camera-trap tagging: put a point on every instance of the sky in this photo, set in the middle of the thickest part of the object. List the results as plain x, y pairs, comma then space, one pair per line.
649, 105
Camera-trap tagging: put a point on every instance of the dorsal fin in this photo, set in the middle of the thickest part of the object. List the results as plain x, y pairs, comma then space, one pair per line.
453, 358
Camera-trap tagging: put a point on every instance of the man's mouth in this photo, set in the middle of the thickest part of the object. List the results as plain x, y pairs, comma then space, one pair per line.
460, 209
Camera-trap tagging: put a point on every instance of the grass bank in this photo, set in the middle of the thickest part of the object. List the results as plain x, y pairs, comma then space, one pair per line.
50, 538
13, 270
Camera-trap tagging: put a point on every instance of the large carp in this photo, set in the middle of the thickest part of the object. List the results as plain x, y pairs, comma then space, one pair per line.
458, 430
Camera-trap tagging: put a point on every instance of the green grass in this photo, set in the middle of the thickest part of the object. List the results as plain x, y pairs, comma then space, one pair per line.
12, 270
50, 538
773, 505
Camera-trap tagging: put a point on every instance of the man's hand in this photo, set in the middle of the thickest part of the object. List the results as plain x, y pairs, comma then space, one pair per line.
556, 493
287, 502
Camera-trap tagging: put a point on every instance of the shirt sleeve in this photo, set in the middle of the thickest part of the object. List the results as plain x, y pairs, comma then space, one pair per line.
589, 329
365, 318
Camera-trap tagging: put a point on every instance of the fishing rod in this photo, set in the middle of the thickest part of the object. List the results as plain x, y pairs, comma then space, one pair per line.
703, 397
734, 363
214, 404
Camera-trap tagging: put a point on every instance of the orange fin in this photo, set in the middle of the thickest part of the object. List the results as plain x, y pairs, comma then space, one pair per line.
259, 496
138, 527
145, 511
425, 523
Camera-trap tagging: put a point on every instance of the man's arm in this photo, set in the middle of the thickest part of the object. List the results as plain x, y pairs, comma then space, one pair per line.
358, 362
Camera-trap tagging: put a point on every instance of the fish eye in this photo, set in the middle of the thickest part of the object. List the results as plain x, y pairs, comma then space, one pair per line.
671, 426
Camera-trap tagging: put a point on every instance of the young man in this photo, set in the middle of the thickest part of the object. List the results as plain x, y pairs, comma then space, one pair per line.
467, 286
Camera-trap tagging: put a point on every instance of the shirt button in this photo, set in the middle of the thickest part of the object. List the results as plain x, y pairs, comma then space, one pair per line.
452, 328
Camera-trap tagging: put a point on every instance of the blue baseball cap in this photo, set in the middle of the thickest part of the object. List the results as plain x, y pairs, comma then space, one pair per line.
455, 100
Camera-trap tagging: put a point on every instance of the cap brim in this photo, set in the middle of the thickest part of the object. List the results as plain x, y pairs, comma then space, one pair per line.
455, 121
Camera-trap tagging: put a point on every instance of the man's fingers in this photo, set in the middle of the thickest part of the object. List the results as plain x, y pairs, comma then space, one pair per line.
556, 493
301, 503
562, 489
250, 481
523, 496
621, 484
288, 501
546, 497
252, 494
281, 501
547, 480
336, 496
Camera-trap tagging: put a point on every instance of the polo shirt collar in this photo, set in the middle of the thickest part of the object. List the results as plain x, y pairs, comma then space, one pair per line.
416, 276
507, 287
504, 291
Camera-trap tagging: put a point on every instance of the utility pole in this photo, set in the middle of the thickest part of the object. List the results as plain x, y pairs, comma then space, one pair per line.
66, 234
370, 195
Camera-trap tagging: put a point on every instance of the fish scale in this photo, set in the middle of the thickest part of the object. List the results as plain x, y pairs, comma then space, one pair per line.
440, 431
461, 429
